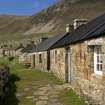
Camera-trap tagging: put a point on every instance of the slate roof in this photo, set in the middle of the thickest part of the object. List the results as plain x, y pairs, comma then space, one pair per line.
92, 29
48, 43
28, 48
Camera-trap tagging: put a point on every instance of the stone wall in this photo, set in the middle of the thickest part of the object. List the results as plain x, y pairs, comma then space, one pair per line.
58, 63
85, 82
89, 85
23, 58
40, 65
18, 52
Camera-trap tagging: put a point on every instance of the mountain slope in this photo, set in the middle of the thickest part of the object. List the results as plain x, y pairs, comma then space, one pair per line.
57, 16
13, 24
51, 20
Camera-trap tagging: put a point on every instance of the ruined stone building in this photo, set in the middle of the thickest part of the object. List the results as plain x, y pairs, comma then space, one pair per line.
24, 56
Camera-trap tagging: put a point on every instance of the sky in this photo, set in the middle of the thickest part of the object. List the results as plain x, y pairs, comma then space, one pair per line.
23, 7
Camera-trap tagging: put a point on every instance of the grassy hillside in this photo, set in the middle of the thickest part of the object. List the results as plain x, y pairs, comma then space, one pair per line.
49, 21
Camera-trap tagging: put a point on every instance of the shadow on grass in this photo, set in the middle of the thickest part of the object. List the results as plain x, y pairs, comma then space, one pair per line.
10, 97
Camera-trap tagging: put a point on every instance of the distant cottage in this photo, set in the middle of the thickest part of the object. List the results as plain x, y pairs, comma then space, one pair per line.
24, 56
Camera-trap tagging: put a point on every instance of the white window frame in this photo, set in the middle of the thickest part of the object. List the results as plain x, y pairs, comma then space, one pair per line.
97, 60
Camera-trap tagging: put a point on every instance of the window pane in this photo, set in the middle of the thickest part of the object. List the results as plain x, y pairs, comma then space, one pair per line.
100, 67
97, 67
98, 60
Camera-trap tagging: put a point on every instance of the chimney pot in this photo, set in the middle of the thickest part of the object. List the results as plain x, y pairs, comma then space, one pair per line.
43, 39
79, 22
67, 28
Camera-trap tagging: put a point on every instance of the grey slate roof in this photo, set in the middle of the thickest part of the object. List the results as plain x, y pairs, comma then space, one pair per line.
28, 48
93, 29
48, 43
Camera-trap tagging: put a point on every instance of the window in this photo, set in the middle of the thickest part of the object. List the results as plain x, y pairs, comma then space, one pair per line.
55, 52
55, 56
98, 60
40, 58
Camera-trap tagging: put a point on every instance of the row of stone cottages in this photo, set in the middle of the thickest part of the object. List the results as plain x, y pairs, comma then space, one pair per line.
76, 57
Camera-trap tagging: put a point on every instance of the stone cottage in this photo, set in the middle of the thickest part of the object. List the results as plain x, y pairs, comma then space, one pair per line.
41, 53
78, 58
25, 57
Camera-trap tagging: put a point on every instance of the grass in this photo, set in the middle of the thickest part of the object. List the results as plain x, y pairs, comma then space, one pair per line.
21, 79
68, 97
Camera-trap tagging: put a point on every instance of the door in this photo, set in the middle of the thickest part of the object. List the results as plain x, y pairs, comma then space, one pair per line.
68, 74
33, 60
48, 60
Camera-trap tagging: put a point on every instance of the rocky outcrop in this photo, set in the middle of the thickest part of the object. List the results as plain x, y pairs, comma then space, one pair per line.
4, 77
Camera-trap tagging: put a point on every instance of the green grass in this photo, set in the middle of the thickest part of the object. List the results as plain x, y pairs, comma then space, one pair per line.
69, 97
22, 78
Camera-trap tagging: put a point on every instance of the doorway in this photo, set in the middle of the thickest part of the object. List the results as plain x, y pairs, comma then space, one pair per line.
33, 60
48, 60
68, 74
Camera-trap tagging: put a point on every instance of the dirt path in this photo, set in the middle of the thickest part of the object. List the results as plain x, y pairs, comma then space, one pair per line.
47, 95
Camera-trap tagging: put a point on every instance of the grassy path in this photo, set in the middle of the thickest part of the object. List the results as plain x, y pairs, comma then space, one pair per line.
30, 87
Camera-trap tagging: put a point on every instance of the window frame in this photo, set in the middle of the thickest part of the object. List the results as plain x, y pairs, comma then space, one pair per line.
98, 63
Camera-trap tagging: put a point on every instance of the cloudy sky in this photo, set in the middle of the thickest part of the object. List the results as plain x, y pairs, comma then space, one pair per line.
23, 7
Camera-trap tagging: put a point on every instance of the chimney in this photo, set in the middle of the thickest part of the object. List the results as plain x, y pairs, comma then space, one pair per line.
43, 38
67, 28
79, 22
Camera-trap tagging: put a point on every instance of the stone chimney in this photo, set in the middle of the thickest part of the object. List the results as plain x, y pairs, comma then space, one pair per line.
43, 38
67, 28
79, 22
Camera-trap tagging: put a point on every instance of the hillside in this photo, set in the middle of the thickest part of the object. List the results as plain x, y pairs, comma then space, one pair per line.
51, 20
57, 16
